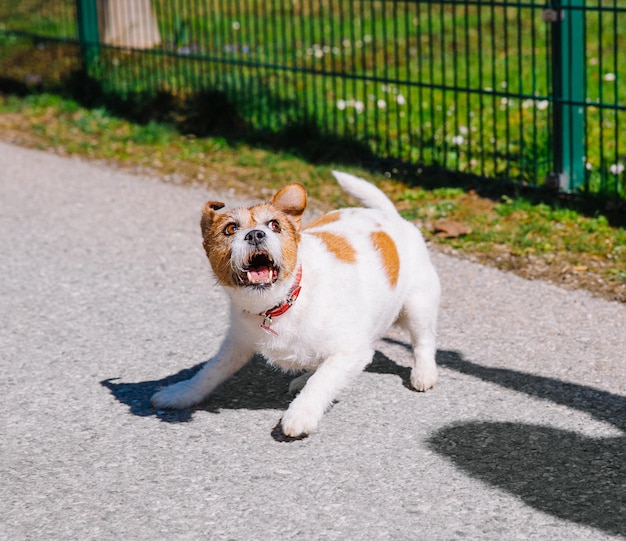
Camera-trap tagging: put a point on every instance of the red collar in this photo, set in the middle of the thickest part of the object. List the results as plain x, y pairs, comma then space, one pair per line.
281, 308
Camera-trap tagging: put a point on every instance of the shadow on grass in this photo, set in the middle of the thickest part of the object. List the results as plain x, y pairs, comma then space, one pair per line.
281, 123
214, 112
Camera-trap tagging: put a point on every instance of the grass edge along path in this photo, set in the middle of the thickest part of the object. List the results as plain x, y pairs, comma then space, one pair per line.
534, 239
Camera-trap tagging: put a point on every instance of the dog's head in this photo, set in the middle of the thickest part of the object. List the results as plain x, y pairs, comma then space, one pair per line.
255, 248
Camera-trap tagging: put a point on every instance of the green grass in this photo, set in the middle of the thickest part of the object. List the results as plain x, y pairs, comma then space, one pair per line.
483, 106
549, 239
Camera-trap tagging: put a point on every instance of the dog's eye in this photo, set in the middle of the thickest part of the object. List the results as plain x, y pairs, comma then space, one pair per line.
230, 229
274, 225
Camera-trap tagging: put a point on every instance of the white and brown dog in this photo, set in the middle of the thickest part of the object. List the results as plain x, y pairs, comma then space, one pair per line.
315, 298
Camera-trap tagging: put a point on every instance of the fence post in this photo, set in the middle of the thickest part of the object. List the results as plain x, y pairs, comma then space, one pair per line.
568, 80
88, 35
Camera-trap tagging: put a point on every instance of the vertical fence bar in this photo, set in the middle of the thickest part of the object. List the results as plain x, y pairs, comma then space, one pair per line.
244, 49
569, 94
88, 35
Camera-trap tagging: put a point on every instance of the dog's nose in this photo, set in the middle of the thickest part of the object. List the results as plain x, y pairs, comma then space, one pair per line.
255, 237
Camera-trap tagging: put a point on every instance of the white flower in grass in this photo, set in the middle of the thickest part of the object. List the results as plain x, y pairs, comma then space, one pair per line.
359, 106
458, 140
341, 105
588, 166
400, 99
543, 105
617, 168
236, 25
463, 130
382, 104
610, 77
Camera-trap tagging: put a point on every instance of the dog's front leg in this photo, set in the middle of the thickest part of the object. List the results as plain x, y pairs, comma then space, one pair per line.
322, 387
230, 358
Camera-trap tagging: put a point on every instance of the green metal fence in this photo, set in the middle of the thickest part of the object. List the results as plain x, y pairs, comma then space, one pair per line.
516, 90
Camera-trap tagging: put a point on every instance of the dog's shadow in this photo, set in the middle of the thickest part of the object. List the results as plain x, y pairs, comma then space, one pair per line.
257, 386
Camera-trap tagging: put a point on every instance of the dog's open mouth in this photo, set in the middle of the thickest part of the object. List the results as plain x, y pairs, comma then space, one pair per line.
260, 271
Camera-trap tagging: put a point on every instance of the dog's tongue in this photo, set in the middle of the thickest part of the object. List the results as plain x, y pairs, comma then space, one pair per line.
259, 274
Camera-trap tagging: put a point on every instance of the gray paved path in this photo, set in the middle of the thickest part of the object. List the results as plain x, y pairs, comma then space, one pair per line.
105, 295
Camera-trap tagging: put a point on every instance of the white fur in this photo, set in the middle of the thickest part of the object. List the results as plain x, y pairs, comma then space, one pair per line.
342, 310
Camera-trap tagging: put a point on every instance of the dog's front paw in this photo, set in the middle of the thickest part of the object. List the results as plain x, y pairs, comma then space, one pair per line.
424, 378
299, 422
181, 395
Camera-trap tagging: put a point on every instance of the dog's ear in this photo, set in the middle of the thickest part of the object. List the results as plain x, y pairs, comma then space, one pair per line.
209, 215
292, 201
214, 205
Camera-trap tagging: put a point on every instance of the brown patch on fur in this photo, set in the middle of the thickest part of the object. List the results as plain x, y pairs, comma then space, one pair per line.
215, 245
286, 208
291, 200
218, 245
289, 249
387, 248
338, 245
255, 215
289, 231
208, 218
329, 218
215, 205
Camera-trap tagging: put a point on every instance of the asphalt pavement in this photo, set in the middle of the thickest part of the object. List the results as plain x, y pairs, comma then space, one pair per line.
106, 295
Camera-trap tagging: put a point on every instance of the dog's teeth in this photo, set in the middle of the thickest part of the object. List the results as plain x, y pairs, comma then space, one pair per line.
271, 274
249, 274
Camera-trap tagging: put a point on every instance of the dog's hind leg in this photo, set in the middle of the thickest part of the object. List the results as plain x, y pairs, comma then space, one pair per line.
419, 317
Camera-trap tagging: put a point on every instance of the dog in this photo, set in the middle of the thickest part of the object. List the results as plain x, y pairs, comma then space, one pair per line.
315, 298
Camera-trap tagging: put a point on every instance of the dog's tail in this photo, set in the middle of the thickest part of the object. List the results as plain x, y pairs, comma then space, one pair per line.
368, 194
